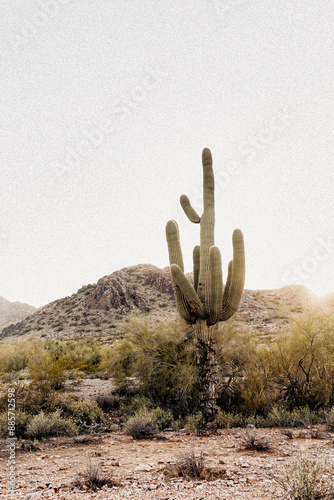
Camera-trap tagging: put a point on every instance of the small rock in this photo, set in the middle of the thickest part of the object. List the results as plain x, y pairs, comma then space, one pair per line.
143, 468
251, 479
250, 426
242, 462
32, 496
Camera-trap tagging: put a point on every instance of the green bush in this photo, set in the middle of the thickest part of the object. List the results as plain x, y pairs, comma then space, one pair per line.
30, 398
83, 354
52, 424
280, 417
134, 405
227, 420
161, 358
328, 418
162, 418
85, 411
48, 373
192, 422
302, 360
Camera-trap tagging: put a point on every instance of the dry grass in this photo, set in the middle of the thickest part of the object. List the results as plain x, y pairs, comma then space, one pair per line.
314, 433
308, 479
251, 441
94, 477
192, 467
141, 426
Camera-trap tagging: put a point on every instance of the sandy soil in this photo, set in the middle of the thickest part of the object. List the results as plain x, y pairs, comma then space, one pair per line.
49, 470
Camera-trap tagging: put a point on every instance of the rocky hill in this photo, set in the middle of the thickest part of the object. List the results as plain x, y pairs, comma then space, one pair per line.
100, 310
12, 312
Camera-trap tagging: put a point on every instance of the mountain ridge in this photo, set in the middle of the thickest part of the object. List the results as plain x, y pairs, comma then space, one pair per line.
13, 312
100, 310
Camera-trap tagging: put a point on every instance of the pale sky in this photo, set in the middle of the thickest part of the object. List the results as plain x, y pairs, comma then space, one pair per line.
105, 109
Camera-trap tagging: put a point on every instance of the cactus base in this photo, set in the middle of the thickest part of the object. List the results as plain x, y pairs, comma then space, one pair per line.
207, 379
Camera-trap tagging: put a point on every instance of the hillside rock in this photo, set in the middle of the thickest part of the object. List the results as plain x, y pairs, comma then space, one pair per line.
113, 292
102, 309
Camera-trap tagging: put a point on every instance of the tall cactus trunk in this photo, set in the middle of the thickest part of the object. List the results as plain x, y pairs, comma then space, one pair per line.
205, 303
207, 377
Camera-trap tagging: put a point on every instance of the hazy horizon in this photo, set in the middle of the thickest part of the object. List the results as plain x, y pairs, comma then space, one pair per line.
106, 109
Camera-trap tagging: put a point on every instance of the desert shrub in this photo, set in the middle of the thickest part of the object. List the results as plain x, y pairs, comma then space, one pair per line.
301, 360
48, 373
21, 421
280, 417
191, 467
85, 411
137, 404
109, 402
83, 354
302, 480
29, 398
236, 356
252, 441
52, 424
16, 356
256, 386
161, 358
328, 418
163, 418
141, 426
191, 423
227, 420
93, 477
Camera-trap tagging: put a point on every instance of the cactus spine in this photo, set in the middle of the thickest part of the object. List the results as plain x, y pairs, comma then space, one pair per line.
205, 303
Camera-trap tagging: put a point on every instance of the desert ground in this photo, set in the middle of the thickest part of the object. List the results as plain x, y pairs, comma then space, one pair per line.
48, 468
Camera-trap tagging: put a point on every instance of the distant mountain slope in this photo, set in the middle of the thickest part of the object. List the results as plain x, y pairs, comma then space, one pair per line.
100, 310
12, 312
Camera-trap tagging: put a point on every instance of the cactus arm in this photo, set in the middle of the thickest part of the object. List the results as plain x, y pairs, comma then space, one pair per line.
196, 259
229, 279
216, 284
175, 257
232, 298
174, 245
188, 291
189, 210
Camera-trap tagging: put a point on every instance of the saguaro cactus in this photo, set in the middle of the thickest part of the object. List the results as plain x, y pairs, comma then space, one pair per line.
205, 303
